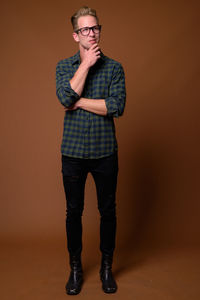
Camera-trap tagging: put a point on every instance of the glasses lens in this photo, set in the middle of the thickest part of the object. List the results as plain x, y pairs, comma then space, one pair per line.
96, 29
85, 31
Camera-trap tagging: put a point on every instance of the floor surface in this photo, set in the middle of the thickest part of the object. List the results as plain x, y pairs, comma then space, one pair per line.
38, 270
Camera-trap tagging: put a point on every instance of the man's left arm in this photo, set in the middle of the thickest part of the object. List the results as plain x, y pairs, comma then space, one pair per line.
113, 105
97, 106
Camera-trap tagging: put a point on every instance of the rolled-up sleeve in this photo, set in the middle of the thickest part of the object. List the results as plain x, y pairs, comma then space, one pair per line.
66, 95
115, 103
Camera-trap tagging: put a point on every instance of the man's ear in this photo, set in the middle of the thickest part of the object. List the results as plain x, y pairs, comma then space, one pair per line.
75, 36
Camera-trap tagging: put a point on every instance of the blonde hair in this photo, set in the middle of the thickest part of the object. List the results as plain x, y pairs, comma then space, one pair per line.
83, 11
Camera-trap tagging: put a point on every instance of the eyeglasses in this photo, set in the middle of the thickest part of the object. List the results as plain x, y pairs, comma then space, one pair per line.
86, 30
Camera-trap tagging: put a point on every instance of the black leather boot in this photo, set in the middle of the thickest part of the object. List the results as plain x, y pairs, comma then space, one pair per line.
74, 284
108, 282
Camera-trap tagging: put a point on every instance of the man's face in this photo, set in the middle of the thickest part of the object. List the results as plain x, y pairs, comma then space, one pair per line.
92, 38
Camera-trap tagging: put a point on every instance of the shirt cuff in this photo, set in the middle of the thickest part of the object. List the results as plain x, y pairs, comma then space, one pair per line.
67, 95
112, 108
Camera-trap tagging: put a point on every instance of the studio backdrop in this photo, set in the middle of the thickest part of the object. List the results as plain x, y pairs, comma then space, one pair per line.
157, 42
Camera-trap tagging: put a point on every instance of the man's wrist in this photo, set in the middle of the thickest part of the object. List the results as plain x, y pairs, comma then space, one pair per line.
85, 66
80, 103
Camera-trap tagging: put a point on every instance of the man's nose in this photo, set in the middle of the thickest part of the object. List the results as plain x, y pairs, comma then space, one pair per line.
91, 33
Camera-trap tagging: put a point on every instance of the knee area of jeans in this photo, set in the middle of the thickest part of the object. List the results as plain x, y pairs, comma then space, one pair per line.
108, 215
107, 210
74, 214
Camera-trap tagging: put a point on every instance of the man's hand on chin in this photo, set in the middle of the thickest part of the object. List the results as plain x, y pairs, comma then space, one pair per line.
91, 55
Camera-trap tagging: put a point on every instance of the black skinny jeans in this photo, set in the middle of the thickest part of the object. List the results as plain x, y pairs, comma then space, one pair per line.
104, 172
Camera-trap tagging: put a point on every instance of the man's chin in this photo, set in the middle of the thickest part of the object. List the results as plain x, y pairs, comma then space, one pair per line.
88, 46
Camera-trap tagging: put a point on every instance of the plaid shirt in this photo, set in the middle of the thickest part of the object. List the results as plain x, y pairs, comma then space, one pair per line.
86, 134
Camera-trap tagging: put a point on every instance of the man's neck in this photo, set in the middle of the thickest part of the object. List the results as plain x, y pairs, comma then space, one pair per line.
82, 49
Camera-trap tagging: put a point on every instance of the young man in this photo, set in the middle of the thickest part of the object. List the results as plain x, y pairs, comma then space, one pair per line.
91, 87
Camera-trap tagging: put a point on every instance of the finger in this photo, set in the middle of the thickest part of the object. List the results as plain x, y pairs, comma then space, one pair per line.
97, 50
94, 47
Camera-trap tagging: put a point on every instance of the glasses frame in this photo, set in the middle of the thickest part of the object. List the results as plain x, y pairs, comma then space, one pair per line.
90, 28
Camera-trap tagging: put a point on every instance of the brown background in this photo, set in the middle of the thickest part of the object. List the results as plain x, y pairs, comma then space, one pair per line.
157, 43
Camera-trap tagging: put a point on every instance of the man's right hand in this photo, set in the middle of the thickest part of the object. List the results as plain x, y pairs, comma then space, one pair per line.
88, 58
91, 55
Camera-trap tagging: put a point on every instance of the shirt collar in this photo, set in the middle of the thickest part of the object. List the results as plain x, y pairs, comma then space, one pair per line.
76, 57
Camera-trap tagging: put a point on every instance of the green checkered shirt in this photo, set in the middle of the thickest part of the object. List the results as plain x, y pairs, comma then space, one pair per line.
86, 134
